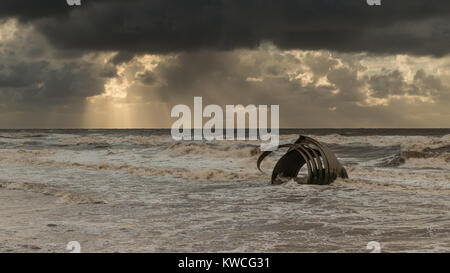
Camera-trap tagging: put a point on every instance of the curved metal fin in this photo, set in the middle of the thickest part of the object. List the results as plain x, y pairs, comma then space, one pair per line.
323, 165
288, 166
266, 153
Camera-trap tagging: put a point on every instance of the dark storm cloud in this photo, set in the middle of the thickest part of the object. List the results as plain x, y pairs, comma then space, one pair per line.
70, 83
33, 79
429, 84
146, 78
160, 26
392, 83
21, 74
122, 57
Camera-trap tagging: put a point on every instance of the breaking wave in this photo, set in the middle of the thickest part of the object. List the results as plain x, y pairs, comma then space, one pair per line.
394, 174
107, 141
428, 158
212, 150
64, 196
185, 173
385, 186
22, 135
407, 143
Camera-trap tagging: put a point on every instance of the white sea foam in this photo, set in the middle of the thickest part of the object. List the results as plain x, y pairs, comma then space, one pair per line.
64, 196
209, 150
162, 195
410, 143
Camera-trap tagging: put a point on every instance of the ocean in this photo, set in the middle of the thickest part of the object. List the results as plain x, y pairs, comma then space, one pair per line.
140, 191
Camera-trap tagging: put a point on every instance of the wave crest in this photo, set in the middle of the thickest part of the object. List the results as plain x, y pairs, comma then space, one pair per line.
427, 158
358, 183
64, 195
212, 150
407, 143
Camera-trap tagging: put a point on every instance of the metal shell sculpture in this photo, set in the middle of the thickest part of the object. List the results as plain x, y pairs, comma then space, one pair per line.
323, 166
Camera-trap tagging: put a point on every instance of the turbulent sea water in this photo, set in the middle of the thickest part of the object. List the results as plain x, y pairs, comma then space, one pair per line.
140, 191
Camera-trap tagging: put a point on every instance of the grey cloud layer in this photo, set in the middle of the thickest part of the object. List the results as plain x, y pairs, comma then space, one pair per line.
35, 77
216, 49
160, 26
341, 101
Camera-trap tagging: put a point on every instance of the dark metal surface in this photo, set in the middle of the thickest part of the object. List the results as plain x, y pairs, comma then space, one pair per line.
323, 166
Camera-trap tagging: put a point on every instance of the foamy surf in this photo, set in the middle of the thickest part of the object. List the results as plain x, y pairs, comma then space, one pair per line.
64, 196
161, 195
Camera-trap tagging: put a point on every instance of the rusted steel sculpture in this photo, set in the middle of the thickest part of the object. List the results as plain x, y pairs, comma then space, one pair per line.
323, 166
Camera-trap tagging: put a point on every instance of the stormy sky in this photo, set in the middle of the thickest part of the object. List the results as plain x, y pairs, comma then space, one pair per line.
125, 64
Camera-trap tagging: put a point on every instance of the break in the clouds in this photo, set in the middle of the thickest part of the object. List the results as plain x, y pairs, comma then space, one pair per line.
37, 81
313, 88
126, 63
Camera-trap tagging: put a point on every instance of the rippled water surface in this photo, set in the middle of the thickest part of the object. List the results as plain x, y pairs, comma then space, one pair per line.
138, 190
